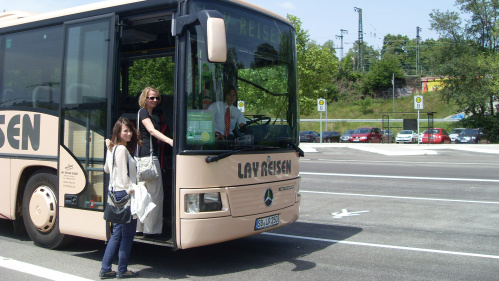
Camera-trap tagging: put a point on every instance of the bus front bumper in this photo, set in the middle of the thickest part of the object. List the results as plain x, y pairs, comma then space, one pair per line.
200, 232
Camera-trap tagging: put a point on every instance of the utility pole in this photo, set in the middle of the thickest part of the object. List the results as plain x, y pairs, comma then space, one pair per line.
341, 37
418, 59
360, 64
393, 91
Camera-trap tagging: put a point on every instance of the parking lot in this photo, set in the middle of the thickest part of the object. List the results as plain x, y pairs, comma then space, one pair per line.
405, 211
404, 149
368, 212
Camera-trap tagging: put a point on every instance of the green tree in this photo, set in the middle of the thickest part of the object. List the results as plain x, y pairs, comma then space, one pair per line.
482, 25
369, 55
394, 44
330, 45
429, 65
468, 58
317, 66
381, 73
158, 73
347, 83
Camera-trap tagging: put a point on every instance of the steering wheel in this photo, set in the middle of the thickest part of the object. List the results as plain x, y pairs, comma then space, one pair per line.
245, 126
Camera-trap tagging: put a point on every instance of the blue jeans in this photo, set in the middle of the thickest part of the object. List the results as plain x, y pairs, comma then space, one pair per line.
121, 242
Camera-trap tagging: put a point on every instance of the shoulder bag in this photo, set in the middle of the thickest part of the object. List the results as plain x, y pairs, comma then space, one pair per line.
117, 211
146, 170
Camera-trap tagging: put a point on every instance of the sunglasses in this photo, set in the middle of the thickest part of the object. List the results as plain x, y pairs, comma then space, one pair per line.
153, 98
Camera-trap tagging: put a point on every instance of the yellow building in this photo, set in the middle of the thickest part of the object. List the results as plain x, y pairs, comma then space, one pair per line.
431, 84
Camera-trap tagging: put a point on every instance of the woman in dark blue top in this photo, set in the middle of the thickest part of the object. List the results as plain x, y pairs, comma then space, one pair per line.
149, 133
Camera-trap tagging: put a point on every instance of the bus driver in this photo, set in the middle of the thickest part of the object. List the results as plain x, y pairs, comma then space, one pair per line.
226, 116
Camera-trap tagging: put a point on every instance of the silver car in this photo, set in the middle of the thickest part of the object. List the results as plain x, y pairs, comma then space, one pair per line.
346, 136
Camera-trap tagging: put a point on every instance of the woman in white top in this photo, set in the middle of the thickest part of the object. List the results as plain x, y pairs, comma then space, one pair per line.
123, 173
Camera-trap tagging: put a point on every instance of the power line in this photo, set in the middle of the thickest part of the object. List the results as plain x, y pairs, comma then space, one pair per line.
360, 65
418, 62
341, 36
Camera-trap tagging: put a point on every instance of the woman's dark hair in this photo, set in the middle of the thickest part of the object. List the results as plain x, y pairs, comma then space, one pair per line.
116, 140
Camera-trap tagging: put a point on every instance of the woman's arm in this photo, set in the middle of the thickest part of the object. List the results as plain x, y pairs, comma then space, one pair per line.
106, 165
108, 160
155, 133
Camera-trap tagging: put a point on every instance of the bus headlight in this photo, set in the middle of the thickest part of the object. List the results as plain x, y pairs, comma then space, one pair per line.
203, 202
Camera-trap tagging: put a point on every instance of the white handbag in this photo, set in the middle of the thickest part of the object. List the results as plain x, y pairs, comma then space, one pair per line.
146, 170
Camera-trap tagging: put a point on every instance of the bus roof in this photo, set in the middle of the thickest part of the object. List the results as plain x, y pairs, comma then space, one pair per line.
14, 18
260, 9
59, 13
14, 15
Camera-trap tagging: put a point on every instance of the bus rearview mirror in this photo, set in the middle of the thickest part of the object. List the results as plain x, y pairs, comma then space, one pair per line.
213, 26
216, 41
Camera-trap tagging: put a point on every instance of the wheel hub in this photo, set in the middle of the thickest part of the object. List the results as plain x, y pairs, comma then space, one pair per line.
43, 208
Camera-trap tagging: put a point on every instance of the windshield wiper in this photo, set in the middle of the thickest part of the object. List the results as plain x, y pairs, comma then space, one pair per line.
260, 87
215, 158
298, 149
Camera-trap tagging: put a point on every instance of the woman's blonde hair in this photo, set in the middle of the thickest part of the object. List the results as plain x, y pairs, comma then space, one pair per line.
143, 96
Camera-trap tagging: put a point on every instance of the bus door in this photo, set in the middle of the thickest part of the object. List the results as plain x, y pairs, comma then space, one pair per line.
88, 77
146, 53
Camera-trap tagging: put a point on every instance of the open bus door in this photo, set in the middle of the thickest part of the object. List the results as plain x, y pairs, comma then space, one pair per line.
89, 58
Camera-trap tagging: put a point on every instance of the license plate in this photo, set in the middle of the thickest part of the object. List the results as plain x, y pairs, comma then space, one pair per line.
266, 222
355, 140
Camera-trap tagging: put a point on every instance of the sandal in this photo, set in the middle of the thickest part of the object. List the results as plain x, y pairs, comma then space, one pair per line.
106, 275
127, 274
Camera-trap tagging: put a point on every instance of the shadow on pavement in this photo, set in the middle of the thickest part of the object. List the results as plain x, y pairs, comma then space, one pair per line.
254, 252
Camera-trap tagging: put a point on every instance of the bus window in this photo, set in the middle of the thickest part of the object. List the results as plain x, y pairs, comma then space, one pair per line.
32, 69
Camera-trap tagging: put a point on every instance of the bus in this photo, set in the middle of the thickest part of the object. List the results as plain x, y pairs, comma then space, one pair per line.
67, 76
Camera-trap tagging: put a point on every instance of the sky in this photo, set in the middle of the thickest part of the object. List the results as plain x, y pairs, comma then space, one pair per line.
323, 19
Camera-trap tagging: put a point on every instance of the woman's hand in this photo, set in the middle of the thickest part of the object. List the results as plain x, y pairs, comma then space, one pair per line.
108, 142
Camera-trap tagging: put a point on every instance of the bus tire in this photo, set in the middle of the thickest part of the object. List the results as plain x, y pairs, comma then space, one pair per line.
40, 211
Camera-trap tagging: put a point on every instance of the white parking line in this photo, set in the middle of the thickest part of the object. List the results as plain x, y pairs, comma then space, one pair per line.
385, 246
401, 197
38, 270
399, 177
322, 160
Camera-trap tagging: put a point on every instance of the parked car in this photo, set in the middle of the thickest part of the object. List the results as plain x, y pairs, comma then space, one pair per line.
477, 135
331, 136
346, 136
435, 135
407, 136
454, 133
309, 136
388, 136
367, 134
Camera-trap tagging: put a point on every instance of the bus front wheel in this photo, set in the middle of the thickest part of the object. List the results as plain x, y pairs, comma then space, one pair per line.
40, 211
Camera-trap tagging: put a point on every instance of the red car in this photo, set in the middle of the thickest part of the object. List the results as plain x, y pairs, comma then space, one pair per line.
435, 135
367, 134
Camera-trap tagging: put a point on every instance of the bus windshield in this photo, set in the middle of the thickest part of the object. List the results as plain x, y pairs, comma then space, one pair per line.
260, 69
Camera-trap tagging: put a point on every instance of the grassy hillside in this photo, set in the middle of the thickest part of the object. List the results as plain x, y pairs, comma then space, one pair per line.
376, 108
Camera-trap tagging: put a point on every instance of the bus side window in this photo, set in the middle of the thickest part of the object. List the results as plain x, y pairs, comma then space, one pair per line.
77, 91
7, 97
46, 97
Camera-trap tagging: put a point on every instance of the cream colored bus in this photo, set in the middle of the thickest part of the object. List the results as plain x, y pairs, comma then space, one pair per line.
67, 76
